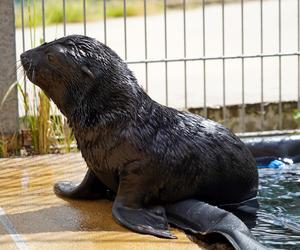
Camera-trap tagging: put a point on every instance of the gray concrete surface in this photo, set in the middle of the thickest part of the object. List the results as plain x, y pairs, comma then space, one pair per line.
135, 29
9, 112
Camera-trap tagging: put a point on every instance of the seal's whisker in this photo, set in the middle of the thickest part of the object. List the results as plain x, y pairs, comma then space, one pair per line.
13, 69
19, 68
30, 65
33, 74
20, 74
19, 65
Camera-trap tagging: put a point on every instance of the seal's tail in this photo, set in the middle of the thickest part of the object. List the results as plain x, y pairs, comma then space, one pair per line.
198, 217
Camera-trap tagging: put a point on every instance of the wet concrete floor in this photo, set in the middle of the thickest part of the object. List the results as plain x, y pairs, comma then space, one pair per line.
32, 217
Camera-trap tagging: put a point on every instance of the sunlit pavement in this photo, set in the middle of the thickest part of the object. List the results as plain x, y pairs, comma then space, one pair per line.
32, 217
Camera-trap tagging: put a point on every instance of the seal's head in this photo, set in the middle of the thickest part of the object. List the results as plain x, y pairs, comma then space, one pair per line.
79, 71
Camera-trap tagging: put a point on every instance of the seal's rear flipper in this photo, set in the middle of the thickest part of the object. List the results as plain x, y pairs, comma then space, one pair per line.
143, 220
245, 211
198, 217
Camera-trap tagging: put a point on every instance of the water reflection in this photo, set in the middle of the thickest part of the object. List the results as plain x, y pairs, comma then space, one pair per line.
278, 219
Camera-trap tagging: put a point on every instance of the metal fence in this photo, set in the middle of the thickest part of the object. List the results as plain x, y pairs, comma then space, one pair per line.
239, 59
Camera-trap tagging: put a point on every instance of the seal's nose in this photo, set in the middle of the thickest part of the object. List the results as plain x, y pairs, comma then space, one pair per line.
23, 57
24, 60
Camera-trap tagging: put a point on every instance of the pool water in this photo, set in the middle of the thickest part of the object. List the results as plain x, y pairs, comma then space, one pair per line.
278, 222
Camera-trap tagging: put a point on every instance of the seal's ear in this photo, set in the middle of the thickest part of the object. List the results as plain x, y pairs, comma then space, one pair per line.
86, 70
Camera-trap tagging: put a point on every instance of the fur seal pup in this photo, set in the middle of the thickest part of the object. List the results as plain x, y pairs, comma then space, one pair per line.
163, 165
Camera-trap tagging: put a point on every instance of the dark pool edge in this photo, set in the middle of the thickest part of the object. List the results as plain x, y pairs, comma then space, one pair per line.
273, 149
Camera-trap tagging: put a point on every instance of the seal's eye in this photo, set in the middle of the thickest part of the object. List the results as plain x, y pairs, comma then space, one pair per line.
50, 58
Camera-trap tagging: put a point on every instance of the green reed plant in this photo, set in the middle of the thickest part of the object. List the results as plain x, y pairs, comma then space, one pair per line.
30, 120
9, 145
3, 148
43, 123
62, 133
38, 108
46, 130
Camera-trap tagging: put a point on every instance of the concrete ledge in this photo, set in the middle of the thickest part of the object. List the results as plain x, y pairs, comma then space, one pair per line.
253, 116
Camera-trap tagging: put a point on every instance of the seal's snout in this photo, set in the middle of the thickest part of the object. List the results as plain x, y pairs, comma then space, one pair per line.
29, 64
23, 56
25, 60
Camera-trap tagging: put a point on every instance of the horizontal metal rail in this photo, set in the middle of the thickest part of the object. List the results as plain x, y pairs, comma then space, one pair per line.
206, 58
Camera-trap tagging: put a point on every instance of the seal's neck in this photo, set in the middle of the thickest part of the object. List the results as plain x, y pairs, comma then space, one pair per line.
106, 106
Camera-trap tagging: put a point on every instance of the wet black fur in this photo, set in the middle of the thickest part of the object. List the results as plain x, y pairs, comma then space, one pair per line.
163, 154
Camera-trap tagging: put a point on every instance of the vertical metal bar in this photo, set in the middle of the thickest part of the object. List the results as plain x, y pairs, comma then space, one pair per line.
223, 63
298, 26
23, 44
43, 16
23, 24
262, 109
23, 30
166, 50
204, 61
146, 43
184, 53
104, 21
125, 28
84, 17
243, 67
280, 66
30, 23
64, 14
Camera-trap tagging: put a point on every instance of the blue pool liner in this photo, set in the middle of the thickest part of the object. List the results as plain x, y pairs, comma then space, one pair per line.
273, 164
276, 162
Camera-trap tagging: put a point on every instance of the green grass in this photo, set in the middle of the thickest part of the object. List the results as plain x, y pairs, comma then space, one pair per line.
94, 9
74, 10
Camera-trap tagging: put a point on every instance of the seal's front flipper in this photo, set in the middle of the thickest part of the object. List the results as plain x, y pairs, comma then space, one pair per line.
90, 188
198, 217
129, 210
143, 220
